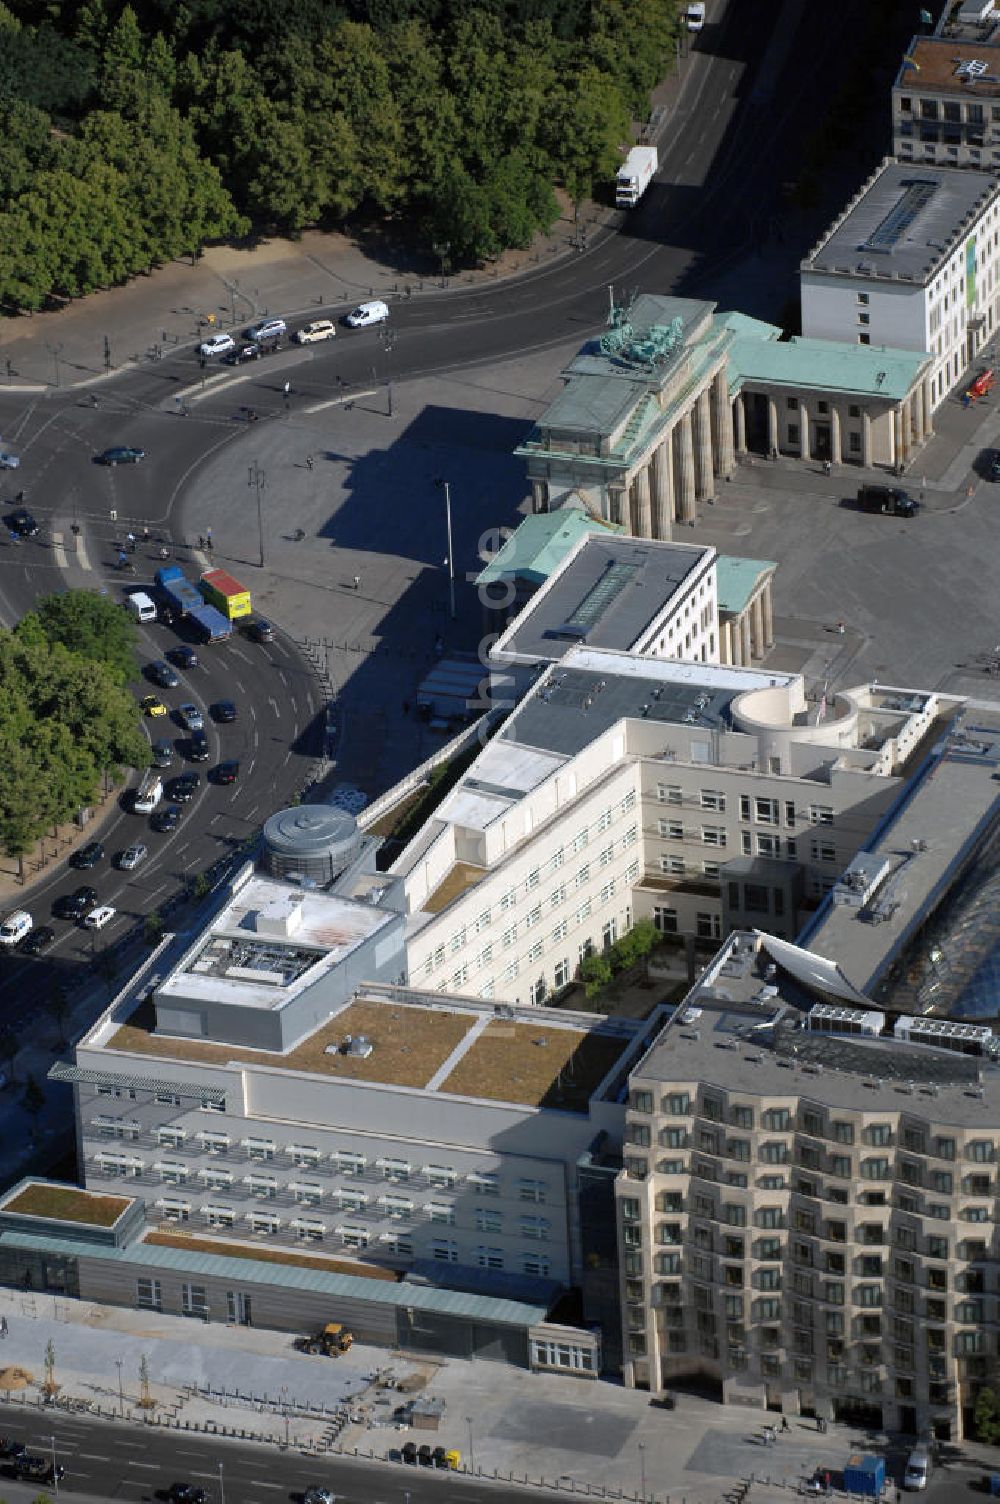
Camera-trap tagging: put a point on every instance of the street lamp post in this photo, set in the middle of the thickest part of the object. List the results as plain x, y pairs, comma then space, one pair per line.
451, 555
258, 480
222, 1487
642, 1471
121, 1391
472, 1455
55, 1474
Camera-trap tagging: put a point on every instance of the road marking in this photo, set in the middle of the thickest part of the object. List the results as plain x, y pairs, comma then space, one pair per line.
274, 706
153, 1466
319, 407
93, 1456
58, 550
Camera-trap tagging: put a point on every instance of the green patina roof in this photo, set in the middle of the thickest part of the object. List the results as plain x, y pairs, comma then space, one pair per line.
146, 1256
736, 580
744, 323
824, 365
541, 543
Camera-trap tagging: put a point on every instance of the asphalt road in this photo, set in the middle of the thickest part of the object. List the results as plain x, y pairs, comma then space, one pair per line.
107, 1461
751, 95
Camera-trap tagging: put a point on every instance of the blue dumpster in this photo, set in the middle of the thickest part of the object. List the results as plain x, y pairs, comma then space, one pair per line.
993, 1485
865, 1476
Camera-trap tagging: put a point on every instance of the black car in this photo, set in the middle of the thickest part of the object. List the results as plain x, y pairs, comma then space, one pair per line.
75, 905
37, 940
995, 465
242, 354
183, 656
22, 523
163, 753
38, 1469
120, 454
162, 674
226, 772
88, 856
183, 788
259, 630
166, 820
186, 1493
223, 711
198, 746
10, 1449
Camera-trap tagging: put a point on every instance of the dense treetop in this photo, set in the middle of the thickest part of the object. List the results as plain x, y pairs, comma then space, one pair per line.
131, 134
66, 717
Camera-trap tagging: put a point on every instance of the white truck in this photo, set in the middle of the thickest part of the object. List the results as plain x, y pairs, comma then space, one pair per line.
696, 16
635, 175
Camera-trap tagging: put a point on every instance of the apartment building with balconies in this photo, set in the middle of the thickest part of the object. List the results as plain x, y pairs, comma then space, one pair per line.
808, 1197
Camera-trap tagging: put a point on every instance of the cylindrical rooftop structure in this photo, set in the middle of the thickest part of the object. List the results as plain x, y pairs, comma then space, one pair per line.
313, 841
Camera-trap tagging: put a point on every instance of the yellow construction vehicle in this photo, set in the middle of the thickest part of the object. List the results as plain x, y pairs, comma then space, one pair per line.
333, 1340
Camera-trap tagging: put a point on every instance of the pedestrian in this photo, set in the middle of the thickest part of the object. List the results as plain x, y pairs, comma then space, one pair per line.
201, 541
145, 535
94, 399
131, 541
309, 461
841, 629
208, 539
828, 467
357, 582
122, 558
3, 1326
287, 388
784, 1422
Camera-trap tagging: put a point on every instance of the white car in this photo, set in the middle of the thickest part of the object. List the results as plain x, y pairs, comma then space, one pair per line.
131, 857
9, 461
190, 717
319, 329
217, 344
99, 917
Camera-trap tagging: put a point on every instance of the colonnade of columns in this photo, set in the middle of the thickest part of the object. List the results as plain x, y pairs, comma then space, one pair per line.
912, 423
682, 469
749, 634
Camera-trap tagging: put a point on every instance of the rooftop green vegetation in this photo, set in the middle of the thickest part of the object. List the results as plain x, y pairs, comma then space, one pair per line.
67, 1204
134, 134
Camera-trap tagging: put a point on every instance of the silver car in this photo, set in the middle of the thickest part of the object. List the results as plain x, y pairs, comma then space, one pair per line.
131, 857
191, 717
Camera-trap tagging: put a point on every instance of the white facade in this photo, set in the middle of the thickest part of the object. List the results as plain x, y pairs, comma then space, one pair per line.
944, 302
509, 888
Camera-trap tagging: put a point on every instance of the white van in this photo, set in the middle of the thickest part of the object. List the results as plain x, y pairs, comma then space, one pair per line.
696, 16
375, 312
140, 606
15, 927
149, 793
918, 1469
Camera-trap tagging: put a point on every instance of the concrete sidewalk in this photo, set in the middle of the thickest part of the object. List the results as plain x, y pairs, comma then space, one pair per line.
242, 1382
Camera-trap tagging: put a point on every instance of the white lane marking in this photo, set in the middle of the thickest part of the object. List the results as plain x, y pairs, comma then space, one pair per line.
58, 550
274, 706
196, 393
153, 1466
319, 407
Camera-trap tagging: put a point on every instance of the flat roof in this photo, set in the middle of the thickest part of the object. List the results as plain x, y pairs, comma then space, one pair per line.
939, 818
737, 579
267, 942
904, 223
540, 543
580, 698
825, 365
946, 65
741, 1028
529, 1057
65, 1203
607, 594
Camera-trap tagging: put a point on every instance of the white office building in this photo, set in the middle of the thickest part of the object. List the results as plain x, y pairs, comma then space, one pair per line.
911, 263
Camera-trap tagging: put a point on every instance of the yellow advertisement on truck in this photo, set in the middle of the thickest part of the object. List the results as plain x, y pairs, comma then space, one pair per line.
224, 592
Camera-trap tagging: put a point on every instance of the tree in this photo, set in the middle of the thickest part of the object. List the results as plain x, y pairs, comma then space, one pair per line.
153, 927
986, 1416
595, 972
92, 625
57, 1004
33, 1098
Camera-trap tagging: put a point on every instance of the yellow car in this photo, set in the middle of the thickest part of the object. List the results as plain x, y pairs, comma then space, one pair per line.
152, 706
